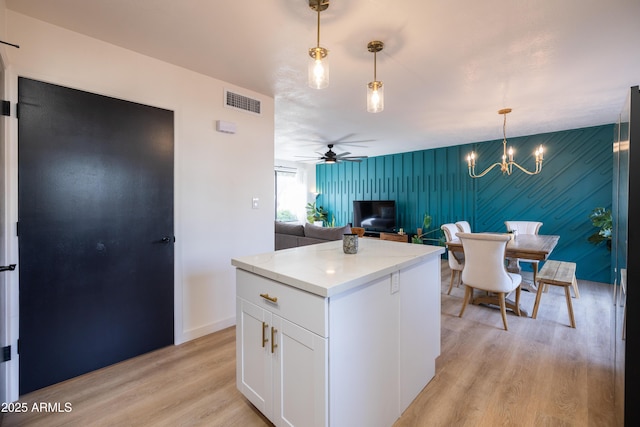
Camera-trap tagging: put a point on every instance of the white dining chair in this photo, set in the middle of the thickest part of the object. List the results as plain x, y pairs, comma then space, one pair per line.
484, 270
525, 227
463, 226
456, 259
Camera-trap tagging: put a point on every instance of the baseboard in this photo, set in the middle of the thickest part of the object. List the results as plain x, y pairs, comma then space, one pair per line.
201, 331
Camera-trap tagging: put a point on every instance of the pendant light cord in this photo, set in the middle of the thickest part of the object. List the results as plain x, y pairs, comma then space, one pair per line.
318, 9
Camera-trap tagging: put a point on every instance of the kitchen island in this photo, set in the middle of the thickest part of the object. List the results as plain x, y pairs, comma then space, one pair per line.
325, 338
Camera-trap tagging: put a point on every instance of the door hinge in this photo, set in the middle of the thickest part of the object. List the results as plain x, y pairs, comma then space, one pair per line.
6, 354
18, 229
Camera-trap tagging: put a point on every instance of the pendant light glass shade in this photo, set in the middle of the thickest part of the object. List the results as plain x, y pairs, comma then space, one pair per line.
375, 97
319, 62
375, 89
318, 68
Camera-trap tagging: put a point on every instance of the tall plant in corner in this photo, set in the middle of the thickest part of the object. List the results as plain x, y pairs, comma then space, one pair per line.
601, 218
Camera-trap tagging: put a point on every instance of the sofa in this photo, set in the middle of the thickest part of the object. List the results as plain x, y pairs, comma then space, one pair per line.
292, 235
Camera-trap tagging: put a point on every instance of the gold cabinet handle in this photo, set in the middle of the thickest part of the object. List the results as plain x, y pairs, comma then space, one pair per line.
264, 338
269, 298
274, 331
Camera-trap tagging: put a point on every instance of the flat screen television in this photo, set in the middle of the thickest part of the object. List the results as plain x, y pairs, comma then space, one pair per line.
375, 215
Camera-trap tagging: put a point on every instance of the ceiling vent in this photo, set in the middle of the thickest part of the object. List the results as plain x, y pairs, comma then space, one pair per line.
241, 102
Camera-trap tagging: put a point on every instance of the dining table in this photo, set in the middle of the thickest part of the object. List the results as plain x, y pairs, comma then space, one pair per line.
525, 246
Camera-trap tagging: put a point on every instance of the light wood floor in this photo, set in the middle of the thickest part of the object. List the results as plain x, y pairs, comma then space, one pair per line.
539, 373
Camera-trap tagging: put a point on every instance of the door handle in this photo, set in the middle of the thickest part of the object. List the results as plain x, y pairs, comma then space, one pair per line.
9, 267
167, 239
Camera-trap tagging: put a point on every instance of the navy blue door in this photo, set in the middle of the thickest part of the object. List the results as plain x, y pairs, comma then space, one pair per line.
95, 200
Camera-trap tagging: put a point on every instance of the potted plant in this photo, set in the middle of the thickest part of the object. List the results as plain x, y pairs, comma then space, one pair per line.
419, 238
316, 214
601, 218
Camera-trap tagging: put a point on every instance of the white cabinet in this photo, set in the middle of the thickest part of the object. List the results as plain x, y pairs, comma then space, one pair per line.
281, 366
384, 338
357, 355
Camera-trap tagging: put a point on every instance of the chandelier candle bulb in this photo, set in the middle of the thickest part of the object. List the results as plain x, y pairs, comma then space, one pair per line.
471, 159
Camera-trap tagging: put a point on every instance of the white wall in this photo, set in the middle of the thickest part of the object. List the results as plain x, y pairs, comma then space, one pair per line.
216, 174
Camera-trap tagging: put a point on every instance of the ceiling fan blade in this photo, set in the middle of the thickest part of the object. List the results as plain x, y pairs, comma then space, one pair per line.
343, 154
344, 140
354, 143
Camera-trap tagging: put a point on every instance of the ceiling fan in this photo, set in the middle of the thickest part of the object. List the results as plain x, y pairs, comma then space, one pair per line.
332, 157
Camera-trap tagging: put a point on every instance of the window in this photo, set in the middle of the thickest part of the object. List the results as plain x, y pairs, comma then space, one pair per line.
290, 194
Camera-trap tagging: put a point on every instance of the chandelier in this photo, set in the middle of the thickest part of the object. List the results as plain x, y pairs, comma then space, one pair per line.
507, 163
375, 89
319, 64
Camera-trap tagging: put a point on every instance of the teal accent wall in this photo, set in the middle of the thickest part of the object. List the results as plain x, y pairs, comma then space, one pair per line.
576, 177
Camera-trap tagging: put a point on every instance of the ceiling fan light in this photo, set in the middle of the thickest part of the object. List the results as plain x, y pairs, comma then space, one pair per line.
375, 97
318, 68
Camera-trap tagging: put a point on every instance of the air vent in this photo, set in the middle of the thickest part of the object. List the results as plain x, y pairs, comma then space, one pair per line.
241, 102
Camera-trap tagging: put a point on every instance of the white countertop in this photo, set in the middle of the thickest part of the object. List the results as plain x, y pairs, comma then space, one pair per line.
325, 270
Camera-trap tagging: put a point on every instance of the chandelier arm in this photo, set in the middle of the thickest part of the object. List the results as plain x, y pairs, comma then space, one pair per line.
472, 172
537, 171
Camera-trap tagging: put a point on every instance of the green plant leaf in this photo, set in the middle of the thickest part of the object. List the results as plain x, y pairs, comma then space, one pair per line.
601, 218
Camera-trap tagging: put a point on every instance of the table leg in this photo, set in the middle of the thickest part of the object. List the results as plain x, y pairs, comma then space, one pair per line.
513, 265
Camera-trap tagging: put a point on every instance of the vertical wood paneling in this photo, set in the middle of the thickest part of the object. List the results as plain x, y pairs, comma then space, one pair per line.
577, 177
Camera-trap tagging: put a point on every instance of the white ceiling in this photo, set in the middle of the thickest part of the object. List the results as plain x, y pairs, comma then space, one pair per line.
447, 66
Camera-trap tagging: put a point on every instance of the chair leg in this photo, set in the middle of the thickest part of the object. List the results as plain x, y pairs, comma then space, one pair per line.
453, 273
536, 305
575, 287
503, 309
467, 296
567, 294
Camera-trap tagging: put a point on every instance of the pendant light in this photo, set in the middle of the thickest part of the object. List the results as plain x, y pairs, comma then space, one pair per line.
375, 89
319, 63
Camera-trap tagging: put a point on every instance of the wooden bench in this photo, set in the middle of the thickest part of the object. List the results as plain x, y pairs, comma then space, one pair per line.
558, 273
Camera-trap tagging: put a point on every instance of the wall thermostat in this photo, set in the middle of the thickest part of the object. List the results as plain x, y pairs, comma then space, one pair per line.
225, 127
